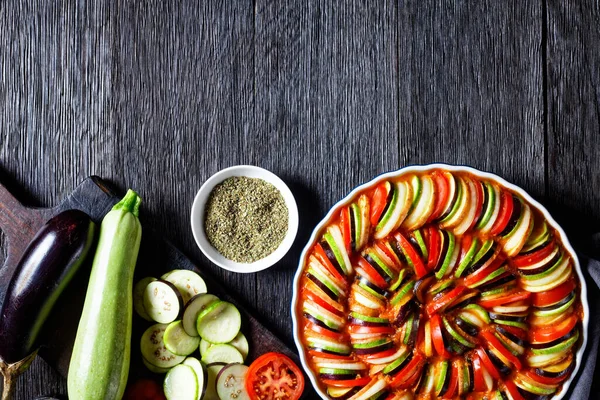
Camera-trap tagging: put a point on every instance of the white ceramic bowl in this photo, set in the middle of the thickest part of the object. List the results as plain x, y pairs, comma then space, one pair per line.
197, 218
424, 168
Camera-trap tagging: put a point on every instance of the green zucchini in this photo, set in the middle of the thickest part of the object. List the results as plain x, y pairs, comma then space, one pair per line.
100, 361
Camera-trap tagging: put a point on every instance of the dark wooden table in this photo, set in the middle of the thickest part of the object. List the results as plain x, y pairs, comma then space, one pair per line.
159, 95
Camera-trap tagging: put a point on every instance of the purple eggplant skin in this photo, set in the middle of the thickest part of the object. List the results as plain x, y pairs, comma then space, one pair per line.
48, 264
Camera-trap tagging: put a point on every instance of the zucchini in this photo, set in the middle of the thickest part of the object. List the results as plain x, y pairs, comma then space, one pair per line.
100, 361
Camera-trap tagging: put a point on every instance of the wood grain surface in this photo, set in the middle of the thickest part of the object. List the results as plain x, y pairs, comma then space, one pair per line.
159, 95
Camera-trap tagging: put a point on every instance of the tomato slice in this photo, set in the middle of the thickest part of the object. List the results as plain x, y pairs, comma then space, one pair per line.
551, 333
144, 389
326, 332
354, 328
488, 364
543, 299
382, 354
347, 382
481, 273
453, 384
493, 341
535, 257
388, 251
479, 188
512, 389
545, 380
320, 253
274, 376
345, 228
407, 372
316, 353
379, 201
411, 253
435, 247
445, 300
478, 379
374, 276
442, 192
437, 336
508, 298
506, 209
322, 302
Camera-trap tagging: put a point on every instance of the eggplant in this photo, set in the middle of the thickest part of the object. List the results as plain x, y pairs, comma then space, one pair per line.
49, 262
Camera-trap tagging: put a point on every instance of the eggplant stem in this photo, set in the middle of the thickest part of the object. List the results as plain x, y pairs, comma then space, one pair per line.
11, 372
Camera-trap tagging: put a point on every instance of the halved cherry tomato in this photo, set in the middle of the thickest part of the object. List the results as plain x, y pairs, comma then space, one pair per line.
442, 189
494, 342
453, 384
551, 333
483, 272
320, 253
535, 257
445, 300
488, 364
347, 382
326, 332
374, 276
407, 372
144, 389
345, 228
379, 201
544, 380
411, 253
543, 299
512, 389
322, 302
437, 336
510, 297
506, 209
274, 376
434, 247
478, 379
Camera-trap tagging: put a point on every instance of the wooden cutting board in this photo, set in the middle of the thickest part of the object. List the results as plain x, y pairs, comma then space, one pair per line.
157, 256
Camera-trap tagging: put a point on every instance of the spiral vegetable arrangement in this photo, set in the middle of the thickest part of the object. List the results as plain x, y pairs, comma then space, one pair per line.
439, 284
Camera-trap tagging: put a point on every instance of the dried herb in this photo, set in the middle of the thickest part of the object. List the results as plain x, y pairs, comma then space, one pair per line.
246, 218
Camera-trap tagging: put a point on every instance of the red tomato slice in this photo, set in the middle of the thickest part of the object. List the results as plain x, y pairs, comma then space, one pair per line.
551, 333
274, 376
374, 276
347, 382
478, 379
535, 257
320, 254
385, 353
508, 298
453, 385
514, 392
545, 380
434, 247
465, 245
442, 190
144, 389
332, 356
506, 209
445, 300
326, 332
407, 372
322, 302
543, 299
379, 201
437, 336
478, 202
518, 332
345, 228
411, 253
353, 328
481, 273
412, 380
493, 341
488, 364
388, 252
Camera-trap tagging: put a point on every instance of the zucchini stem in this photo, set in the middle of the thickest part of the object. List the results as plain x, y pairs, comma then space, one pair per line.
131, 203
11, 372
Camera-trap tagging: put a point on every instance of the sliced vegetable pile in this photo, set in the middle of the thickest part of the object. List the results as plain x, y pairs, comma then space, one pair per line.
440, 284
189, 319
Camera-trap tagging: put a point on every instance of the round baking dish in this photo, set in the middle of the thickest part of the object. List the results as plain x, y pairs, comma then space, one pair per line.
426, 168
